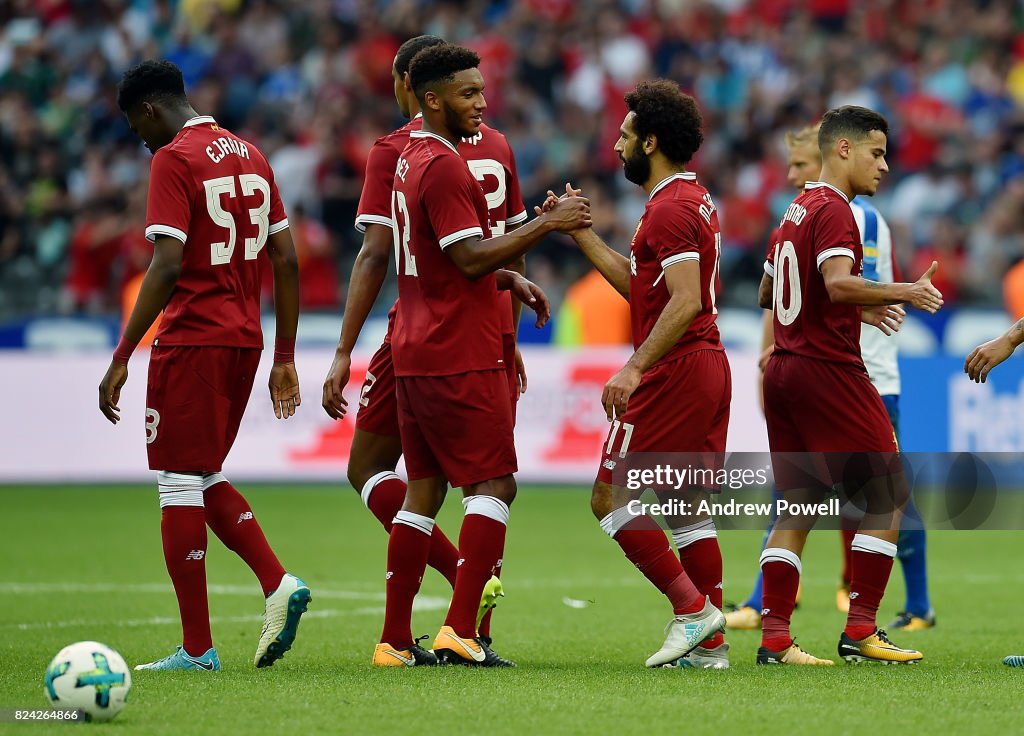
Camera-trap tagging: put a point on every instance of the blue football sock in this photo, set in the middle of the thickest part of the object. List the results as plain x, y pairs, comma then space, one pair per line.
911, 552
754, 601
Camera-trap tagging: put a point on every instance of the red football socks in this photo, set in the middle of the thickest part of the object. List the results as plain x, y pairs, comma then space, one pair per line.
781, 580
407, 560
647, 547
702, 561
481, 544
871, 568
183, 530
385, 500
230, 517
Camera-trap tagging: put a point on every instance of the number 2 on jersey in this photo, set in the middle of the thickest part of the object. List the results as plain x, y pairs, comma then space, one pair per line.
220, 253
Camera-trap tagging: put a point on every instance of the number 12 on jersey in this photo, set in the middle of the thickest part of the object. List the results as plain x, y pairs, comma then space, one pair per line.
401, 234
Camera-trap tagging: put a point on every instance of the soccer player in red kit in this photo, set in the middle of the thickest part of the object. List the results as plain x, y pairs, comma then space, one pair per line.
673, 394
455, 417
213, 206
817, 394
376, 445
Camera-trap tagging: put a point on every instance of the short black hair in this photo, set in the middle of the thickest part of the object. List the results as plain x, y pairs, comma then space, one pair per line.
849, 121
410, 48
439, 64
663, 110
151, 81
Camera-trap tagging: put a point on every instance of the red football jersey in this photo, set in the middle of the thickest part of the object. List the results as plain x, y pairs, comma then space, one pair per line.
818, 225
680, 223
216, 194
446, 323
491, 161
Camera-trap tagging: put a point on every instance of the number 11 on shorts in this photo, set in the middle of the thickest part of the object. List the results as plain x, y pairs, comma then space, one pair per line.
627, 435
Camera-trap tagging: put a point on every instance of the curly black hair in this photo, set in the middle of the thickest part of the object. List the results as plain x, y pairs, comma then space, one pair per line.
410, 48
664, 111
849, 121
151, 81
439, 64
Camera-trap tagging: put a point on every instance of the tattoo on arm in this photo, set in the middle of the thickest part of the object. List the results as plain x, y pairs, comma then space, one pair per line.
873, 284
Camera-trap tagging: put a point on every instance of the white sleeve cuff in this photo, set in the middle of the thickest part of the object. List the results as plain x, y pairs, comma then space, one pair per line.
153, 231
769, 268
363, 220
679, 258
456, 237
830, 252
521, 217
278, 226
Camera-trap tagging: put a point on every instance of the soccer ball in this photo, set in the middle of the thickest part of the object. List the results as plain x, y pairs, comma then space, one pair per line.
90, 677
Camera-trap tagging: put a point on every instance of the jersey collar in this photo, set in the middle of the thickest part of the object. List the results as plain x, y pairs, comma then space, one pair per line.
682, 175
428, 134
819, 184
199, 120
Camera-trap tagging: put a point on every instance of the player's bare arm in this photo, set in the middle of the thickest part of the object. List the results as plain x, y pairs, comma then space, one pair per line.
364, 284
683, 283
609, 263
766, 292
157, 286
476, 257
845, 288
987, 356
525, 292
284, 381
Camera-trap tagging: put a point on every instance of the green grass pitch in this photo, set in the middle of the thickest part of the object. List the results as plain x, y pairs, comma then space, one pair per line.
86, 563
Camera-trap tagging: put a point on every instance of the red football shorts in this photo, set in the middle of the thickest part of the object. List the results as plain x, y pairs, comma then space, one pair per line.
679, 406
459, 427
378, 407
195, 400
817, 406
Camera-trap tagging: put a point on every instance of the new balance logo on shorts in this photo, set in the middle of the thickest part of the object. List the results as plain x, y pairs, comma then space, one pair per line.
196, 554
609, 464
388, 576
244, 516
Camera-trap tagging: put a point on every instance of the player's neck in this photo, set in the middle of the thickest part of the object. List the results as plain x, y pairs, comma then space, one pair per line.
442, 131
660, 171
838, 181
179, 116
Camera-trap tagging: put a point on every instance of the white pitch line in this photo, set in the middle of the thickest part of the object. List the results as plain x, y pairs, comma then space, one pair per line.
422, 603
248, 590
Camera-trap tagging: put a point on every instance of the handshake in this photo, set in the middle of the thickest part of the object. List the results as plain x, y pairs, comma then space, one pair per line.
565, 213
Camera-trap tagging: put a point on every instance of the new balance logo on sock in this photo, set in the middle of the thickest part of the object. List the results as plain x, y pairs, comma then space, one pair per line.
459, 563
196, 554
388, 576
244, 516
765, 612
853, 596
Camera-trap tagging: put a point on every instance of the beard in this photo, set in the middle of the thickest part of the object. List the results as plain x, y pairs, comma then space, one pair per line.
454, 123
637, 167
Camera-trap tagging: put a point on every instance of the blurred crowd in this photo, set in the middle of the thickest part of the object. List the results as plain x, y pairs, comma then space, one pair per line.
310, 84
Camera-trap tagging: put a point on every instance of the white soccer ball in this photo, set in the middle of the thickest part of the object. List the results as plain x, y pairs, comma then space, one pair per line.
90, 677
